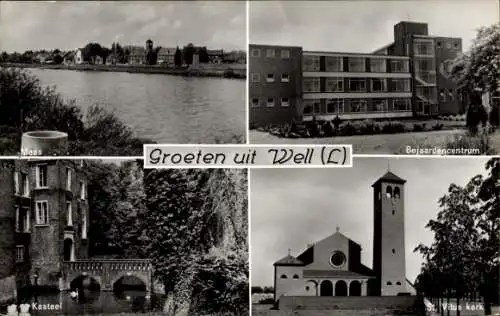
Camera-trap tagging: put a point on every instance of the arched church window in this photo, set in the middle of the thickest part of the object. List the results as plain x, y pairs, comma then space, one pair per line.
398, 283
393, 250
388, 192
397, 193
295, 276
283, 276
393, 212
389, 283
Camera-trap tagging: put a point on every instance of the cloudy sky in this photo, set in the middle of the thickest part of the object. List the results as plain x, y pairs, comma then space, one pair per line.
70, 25
291, 208
363, 26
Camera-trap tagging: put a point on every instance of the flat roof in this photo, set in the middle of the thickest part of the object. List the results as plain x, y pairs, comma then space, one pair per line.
277, 46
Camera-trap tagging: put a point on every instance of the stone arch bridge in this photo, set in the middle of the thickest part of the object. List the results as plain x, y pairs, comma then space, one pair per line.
108, 271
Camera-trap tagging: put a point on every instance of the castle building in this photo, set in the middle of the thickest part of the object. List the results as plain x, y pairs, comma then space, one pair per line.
44, 218
332, 266
407, 78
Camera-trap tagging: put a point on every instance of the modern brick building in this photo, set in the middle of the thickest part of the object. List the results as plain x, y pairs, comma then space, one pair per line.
332, 266
406, 78
45, 218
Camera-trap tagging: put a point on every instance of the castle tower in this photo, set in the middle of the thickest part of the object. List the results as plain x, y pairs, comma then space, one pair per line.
389, 236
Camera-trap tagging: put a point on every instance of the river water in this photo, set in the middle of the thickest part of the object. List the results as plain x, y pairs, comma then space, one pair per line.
162, 108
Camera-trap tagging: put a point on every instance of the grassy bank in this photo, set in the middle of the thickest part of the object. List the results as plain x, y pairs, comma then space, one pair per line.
204, 71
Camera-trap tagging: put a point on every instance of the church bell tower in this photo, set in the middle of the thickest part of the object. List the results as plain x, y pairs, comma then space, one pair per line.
389, 236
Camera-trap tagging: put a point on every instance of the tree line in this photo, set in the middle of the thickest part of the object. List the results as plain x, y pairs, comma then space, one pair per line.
191, 223
117, 54
463, 262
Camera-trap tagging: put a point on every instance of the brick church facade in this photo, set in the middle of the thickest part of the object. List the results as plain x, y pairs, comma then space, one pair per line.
332, 266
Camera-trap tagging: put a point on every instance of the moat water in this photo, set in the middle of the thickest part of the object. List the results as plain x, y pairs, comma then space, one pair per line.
92, 302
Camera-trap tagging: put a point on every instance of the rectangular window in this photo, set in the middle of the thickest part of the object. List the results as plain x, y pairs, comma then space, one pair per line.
401, 105
42, 212
84, 224
423, 47
270, 77
285, 102
310, 63
41, 176
357, 85
255, 52
378, 85
22, 219
270, 102
378, 65
334, 64
378, 105
311, 107
285, 78
311, 85
270, 53
16, 182
69, 213
20, 253
83, 190
255, 77
255, 102
285, 53
25, 184
335, 106
334, 84
68, 179
357, 64
400, 85
399, 66
356, 105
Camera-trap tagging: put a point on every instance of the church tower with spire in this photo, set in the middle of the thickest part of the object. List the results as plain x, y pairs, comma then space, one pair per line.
389, 236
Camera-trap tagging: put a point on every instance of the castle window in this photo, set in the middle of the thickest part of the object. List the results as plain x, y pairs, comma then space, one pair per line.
398, 283
397, 193
270, 77
388, 192
42, 212
25, 184
83, 191
84, 225
393, 250
295, 276
41, 176
393, 212
283, 276
70, 213
20, 253
389, 283
16, 182
255, 102
68, 179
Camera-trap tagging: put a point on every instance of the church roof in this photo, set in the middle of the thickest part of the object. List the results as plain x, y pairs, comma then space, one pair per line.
334, 273
289, 261
390, 177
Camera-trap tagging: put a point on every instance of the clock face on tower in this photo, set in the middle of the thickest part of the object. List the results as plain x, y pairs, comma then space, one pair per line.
337, 259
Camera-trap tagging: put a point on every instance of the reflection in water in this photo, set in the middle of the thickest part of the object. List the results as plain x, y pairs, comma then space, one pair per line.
165, 109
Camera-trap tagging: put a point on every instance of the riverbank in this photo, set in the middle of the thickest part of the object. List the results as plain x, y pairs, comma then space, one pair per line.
205, 70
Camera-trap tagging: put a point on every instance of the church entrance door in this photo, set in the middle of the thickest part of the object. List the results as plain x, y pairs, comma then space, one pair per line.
326, 288
340, 288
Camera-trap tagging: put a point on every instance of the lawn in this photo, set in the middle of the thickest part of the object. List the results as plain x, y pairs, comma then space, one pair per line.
381, 144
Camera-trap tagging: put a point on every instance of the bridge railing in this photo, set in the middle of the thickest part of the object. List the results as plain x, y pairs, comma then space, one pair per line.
108, 264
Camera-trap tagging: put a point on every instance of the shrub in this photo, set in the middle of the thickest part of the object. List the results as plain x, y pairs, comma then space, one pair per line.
476, 113
418, 128
393, 127
437, 126
479, 141
23, 100
347, 129
266, 301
